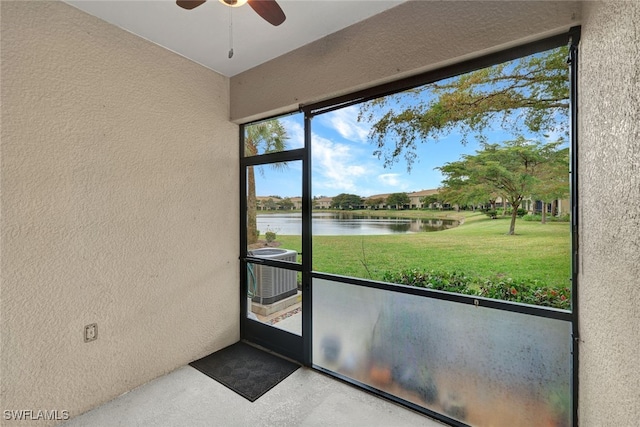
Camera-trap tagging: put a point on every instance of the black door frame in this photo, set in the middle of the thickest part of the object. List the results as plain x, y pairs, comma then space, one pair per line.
293, 346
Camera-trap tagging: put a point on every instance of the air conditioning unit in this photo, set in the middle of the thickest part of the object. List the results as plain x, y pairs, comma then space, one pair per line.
273, 283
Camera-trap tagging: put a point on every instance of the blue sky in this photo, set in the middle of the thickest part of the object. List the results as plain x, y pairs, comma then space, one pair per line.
343, 160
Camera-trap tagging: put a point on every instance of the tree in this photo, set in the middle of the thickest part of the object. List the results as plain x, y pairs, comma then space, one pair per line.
261, 138
429, 200
373, 203
514, 170
346, 201
286, 204
554, 180
271, 204
459, 190
399, 200
530, 93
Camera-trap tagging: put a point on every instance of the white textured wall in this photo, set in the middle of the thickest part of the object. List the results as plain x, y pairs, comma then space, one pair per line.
119, 206
609, 173
414, 37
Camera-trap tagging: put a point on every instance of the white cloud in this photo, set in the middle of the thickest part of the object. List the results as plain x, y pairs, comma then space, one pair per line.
333, 168
389, 179
342, 168
345, 122
295, 132
393, 180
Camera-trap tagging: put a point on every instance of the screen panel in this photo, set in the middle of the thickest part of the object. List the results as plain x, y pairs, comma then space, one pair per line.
478, 365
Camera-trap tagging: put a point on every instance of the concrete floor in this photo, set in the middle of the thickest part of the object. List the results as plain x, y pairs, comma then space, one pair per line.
187, 397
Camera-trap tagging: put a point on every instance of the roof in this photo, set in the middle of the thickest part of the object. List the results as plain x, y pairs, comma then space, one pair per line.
423, 193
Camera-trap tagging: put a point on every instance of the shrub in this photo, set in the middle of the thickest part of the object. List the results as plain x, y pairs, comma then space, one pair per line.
524, 291
270, 236
450, 282
550, 218
521, 212
527, 292
491, 213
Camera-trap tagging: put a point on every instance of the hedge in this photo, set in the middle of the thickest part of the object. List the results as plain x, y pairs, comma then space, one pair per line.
524, 291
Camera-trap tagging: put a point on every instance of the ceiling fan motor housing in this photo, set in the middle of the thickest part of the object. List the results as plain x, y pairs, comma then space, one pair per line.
234, 3
267, 9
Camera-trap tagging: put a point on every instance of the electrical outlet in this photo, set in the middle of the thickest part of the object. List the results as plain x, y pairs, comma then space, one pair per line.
91, 332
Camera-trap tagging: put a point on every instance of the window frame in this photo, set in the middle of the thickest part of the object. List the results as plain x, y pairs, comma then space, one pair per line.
570, 38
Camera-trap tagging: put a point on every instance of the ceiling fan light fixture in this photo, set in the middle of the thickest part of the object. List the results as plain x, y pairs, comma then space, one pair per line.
233, 3
267, 9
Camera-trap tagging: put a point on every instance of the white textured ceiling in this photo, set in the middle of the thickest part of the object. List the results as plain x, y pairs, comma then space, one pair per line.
202, 34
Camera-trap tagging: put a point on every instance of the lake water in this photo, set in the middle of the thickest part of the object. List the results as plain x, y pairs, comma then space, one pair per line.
344, 223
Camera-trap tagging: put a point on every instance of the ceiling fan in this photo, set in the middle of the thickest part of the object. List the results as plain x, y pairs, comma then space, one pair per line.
267, 9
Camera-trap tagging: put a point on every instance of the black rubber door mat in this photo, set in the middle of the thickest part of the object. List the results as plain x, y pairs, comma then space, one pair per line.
247, 370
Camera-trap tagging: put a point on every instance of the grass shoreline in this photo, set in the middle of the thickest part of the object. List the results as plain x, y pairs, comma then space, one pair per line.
407, 213
479, 246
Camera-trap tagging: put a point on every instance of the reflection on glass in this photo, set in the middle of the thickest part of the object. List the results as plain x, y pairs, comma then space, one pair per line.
478, 365
274, 295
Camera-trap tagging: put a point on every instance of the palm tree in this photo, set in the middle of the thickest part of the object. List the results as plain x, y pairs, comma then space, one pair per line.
261, 138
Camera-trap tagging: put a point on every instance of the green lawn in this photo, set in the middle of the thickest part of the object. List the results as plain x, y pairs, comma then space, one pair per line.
477, 247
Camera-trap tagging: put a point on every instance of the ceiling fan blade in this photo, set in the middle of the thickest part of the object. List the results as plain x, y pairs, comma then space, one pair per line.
189, 4
268, 10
